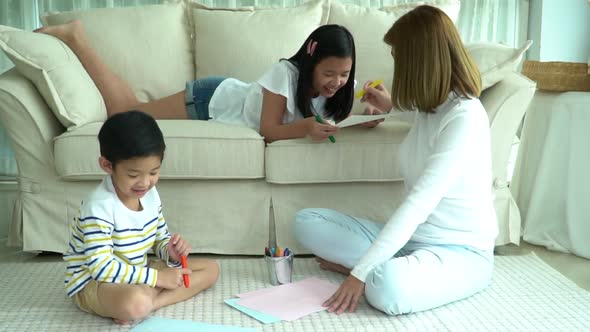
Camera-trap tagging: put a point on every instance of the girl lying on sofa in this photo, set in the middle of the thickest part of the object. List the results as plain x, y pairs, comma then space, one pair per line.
317, 81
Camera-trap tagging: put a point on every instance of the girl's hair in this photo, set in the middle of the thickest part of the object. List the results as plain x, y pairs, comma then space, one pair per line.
129, 135
326, 41
430, 61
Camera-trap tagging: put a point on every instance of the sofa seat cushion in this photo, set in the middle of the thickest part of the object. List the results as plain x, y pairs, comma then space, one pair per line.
194, 150
359, 155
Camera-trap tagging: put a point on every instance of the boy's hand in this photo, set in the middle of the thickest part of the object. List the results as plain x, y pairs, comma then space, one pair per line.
171, 277
178, 247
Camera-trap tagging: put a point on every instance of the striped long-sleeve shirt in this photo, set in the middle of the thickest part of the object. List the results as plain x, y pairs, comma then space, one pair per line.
109, 242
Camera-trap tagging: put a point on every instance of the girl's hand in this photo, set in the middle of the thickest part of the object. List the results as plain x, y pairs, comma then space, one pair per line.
178, 247
319, 131
370, 110
171, 277
378, 97
347, 296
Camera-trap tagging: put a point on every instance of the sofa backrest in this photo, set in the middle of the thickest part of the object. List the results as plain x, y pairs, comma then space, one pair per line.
157, 48
148, 46
244, 43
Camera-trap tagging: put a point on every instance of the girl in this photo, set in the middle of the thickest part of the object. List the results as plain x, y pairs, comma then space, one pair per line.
438, 245
282, 104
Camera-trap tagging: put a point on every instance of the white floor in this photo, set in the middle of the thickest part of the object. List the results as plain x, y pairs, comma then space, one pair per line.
573, 267
526, 295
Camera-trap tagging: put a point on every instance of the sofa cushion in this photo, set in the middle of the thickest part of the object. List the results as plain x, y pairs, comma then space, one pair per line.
244, 43
147, 46
57, 74
368, 26
495, 61
194, 150
359, 154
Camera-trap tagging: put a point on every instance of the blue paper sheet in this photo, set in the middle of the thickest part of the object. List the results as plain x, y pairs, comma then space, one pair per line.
158, 324
265, 318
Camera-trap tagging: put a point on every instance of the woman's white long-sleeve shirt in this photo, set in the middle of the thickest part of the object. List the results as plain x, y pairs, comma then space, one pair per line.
447, 168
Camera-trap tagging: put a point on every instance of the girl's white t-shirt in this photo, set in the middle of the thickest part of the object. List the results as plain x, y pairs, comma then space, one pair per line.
239, 103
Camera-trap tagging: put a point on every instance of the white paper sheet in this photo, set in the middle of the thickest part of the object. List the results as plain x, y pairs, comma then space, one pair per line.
290, 301
358, 119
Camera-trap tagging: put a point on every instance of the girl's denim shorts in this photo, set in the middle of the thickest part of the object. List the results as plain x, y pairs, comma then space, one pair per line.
198, 93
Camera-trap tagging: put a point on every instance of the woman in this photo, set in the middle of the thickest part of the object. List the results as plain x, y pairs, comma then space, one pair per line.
437, 247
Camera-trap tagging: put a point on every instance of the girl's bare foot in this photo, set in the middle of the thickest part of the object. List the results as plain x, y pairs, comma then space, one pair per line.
330, 266
69, 33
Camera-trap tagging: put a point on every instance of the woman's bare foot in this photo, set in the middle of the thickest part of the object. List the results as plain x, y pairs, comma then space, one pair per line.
330, 266
120, 321
69, 33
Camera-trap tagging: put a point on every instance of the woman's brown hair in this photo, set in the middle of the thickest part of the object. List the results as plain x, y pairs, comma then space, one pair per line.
430, 61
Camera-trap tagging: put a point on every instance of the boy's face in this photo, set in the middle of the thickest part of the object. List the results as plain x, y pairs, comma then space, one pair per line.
133, 178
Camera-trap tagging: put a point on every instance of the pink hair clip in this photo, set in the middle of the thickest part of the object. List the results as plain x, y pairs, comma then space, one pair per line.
311, 46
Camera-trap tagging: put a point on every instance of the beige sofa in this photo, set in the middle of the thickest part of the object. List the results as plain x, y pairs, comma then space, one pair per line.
221, 186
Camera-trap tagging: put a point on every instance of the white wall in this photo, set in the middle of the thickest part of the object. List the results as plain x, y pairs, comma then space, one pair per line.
560, 30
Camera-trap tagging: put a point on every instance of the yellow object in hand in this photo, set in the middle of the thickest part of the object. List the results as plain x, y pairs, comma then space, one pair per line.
372, 85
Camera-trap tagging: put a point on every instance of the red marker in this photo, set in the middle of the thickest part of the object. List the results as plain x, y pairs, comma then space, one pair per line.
184, 266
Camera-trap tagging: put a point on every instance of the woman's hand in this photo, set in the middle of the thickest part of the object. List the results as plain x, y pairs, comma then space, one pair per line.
319, 131
378, 97
178, 247
347, 296
370, 110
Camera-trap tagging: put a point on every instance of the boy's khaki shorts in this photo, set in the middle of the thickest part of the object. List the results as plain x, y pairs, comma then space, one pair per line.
87, 298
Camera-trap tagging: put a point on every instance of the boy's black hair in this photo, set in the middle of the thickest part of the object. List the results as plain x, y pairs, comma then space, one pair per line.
129, 135
332, 40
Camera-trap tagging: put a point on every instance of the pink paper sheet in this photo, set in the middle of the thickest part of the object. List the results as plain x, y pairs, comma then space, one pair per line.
290, 301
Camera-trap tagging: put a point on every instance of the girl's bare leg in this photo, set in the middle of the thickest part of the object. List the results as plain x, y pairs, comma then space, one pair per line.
117, 94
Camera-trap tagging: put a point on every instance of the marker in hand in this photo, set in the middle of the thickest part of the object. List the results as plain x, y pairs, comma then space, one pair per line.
184, 266
319, 119
372, 85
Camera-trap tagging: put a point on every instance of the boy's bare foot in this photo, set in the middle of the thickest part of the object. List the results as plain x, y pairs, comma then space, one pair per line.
69, 32
330, 266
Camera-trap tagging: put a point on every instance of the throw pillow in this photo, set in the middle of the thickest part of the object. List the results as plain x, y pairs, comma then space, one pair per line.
58, 75
244, 43
496, 60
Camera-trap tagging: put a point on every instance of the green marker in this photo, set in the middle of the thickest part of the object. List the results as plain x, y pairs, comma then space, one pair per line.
319, 119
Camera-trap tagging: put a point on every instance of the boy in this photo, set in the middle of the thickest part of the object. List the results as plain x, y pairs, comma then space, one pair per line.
108, 272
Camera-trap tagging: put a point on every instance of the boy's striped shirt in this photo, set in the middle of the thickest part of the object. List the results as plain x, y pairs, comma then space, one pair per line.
109, 242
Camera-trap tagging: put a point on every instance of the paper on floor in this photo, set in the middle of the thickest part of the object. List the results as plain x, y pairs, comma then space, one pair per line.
157, 324
261, 316
290, 301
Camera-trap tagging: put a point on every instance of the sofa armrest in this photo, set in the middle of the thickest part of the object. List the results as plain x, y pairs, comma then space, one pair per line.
506, 104
29, 123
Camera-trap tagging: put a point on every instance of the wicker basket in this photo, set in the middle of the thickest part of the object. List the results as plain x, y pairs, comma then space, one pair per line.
558, 76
